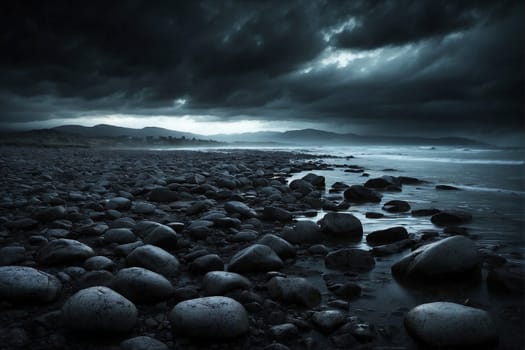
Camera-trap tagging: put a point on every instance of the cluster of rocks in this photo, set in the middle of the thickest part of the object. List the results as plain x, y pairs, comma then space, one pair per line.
158, 250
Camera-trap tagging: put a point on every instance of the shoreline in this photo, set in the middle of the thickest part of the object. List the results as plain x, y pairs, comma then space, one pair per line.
199, 185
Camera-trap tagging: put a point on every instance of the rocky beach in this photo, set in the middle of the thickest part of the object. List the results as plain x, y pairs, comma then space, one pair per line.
239, 249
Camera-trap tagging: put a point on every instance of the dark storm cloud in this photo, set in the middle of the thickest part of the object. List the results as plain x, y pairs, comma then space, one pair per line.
382, 23
461, 63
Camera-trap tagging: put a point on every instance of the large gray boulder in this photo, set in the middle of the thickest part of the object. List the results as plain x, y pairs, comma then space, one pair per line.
155, 259
221, 282
255, 258
342, 225
444, 324
64, 251
296, 290
142, 286
209, 317
452, 257
99, 309
21, 283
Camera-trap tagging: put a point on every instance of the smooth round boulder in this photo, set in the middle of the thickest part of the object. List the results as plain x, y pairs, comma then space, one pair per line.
449, 258
99, 309
209, 317
296, 290
156, 234
221, 282
445, 324
206, 263
342, 225
64, 251
155, 259
255, 258
120, 235
141, 285
350, 259
282, 247
389, 235
21, 283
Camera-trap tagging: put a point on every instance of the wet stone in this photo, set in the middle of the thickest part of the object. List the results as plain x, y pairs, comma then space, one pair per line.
209, 317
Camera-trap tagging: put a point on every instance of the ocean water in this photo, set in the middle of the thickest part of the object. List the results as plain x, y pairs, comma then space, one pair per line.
491, 183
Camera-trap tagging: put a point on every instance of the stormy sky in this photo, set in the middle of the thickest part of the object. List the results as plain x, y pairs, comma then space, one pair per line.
432, 68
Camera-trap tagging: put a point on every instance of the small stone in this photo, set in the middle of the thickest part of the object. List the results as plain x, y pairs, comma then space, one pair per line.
389, 235
98, 263
221, 282
206, 263
255, 258
294, 290
119, 235
141, 285
329, 320
396, 206
155, 259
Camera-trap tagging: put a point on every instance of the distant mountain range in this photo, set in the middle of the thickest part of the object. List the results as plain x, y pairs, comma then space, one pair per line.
291, 137
104, 134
